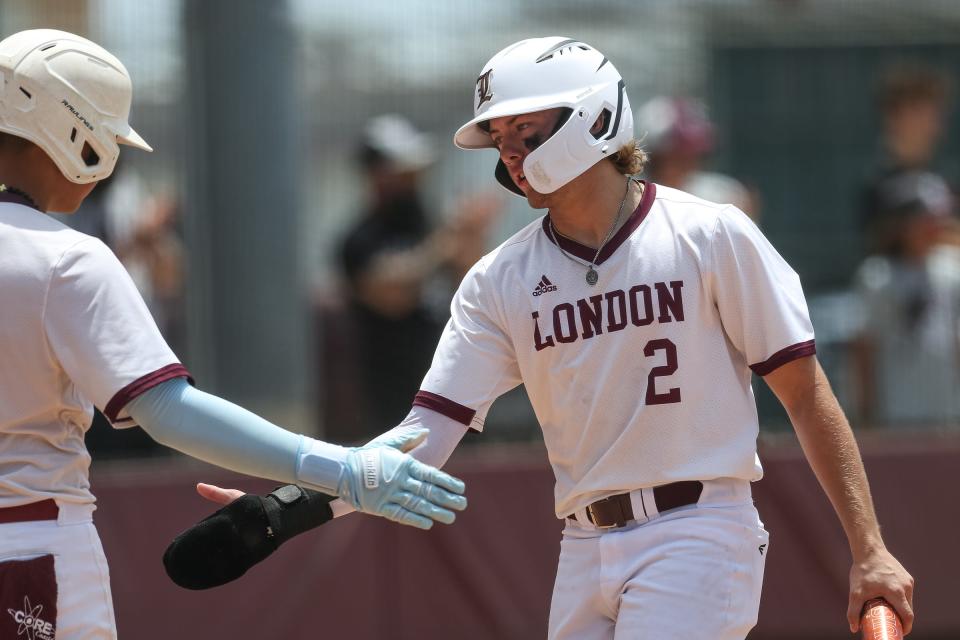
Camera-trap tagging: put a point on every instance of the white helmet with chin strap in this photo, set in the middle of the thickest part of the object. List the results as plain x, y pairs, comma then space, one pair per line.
69, 96
544, 73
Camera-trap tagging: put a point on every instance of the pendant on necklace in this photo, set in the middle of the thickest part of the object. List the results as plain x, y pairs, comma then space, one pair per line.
592, 276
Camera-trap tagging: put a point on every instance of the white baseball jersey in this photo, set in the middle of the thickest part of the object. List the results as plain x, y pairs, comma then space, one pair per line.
644, 378
74, 333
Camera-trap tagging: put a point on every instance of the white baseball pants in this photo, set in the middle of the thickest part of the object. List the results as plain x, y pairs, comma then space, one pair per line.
688, 574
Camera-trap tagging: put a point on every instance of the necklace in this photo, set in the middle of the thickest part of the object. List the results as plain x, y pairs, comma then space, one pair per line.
23, 194
592, 276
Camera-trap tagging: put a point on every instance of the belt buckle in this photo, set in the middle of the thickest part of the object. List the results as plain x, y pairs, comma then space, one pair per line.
593, 519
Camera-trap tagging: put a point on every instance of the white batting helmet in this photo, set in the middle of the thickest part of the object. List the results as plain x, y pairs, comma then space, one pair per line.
543, 73
63, 93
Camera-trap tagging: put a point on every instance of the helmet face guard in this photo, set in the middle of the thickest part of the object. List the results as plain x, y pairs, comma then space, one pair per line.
69, 96
545, 73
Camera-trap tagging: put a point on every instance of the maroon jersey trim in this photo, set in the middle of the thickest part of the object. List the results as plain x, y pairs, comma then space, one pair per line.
444, 406
142, 384
782, 357
587, 253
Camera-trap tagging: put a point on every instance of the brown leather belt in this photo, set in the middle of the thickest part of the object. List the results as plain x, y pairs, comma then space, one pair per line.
616, 511
43, 510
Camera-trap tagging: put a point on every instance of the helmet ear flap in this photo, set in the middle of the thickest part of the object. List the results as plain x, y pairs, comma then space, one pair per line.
503, 177
501, 172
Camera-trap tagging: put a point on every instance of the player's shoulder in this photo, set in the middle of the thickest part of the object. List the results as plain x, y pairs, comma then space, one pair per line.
683, 203
687, 212
33, 232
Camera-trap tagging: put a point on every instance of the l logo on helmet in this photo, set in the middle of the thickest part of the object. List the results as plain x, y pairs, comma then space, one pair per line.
483, 88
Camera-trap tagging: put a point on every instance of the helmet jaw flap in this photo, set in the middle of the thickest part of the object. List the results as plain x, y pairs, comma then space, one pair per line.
544, 73
574, 148
70, 97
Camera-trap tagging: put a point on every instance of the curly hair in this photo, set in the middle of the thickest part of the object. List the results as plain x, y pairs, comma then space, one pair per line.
630, 159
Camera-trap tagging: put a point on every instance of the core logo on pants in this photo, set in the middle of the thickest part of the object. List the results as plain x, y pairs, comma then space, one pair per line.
28, 593
30, 622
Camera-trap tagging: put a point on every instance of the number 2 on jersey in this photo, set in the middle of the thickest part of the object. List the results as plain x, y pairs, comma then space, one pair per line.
673, 395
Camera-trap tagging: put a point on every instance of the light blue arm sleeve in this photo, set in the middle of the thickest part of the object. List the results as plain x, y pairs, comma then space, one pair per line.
217, 431
381, 480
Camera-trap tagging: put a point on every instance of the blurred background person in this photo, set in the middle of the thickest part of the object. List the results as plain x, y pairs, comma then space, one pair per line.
913, 104
152, 252
400, 270
680, 137
908, 354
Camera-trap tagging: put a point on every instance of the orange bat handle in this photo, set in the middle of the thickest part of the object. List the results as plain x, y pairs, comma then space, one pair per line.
880, 622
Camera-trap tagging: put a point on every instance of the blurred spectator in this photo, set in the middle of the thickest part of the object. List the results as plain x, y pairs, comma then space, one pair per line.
912, 101
908, 355
393, 260
679, 136
152, 253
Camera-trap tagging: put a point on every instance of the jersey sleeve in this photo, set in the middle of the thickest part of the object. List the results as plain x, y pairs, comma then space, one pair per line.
102, 334
475, 361
758, 295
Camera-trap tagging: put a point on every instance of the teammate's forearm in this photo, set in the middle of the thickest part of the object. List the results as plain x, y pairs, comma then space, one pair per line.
834, 456
217, 431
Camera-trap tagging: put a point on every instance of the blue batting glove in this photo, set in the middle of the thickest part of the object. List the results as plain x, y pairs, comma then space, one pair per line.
382, 480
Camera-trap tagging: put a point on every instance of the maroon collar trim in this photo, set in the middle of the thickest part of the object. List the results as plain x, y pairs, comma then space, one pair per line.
16, 198
586, 253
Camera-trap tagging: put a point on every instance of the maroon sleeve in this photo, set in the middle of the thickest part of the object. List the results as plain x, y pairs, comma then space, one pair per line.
444, 406
782, 357
142, 384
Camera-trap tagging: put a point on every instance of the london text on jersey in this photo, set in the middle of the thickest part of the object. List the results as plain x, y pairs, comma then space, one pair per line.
609, 312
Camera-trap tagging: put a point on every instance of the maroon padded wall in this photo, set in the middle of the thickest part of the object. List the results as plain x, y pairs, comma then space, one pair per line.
490, 574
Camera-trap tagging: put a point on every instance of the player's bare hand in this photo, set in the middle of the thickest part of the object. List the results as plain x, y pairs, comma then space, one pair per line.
216, 494
880, 575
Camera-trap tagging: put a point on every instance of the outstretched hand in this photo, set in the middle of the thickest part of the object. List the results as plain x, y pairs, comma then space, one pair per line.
381, 479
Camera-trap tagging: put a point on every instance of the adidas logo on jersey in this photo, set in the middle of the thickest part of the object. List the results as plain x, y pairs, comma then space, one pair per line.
545, 286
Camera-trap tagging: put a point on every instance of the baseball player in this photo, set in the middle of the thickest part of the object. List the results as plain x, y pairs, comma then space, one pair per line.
75, 333
634, 314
